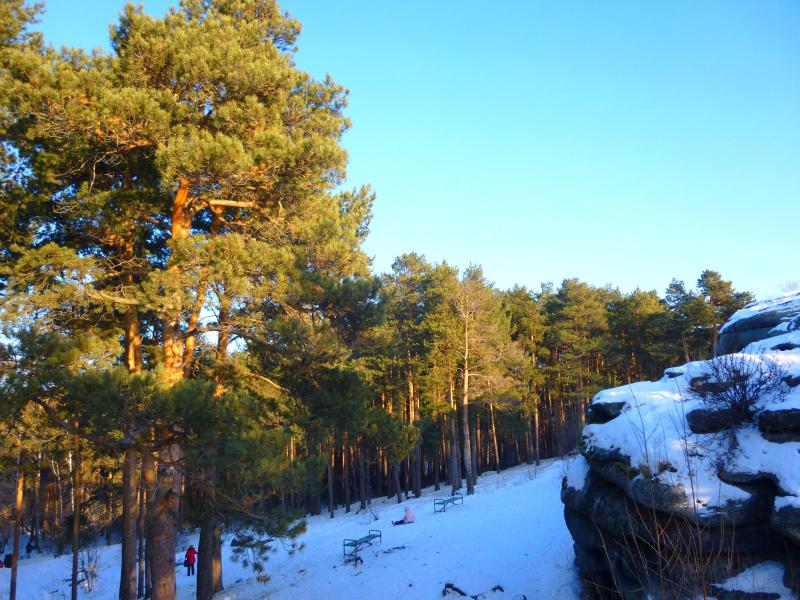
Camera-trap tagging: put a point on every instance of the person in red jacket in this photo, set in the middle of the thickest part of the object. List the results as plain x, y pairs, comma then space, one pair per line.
190, 559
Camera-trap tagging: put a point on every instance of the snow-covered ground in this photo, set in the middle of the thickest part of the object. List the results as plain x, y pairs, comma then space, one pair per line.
510, 533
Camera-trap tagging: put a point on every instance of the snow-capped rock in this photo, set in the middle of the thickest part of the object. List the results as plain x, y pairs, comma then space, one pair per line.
670, 495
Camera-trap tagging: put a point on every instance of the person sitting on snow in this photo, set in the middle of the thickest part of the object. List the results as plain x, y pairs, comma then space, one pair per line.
408, 518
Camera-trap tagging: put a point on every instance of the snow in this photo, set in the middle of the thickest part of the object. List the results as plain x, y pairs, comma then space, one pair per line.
577, 471
510, 533
760, 456
765, 577
789, 300
652, 430
790, 501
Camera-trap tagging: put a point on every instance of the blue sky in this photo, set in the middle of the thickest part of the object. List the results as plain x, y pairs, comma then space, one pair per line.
621, 142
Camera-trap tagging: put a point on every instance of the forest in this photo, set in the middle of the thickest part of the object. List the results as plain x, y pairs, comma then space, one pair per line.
194, 339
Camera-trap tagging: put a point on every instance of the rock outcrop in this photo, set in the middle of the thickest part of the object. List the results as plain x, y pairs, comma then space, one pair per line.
668, 500
760, 321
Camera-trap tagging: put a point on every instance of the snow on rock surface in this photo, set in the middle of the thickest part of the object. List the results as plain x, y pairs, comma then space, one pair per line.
510, 533
644, 455
760, 320
763, 578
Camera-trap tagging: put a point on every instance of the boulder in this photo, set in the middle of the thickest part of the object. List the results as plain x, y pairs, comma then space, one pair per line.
780, 425
758, 321
603, 412
780, 421
703, 420
786, 521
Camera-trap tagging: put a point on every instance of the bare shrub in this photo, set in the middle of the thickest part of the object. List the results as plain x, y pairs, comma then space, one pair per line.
734, 385
89, 565
733, 388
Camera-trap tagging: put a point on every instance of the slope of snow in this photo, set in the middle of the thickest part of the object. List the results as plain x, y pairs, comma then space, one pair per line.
763, 578
510, 533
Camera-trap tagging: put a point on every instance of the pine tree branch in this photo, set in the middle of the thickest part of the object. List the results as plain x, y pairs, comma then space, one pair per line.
270, 381
125, 442
97, 295
231, 203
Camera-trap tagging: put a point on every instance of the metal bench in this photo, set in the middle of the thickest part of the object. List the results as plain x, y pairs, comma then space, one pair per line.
440, 504
351, 548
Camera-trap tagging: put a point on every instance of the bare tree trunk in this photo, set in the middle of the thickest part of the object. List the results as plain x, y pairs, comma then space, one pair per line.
76, 514
436, 467
166, 501
453, 469
714, 340
140, 537
127, 581
468, 471
536, 429
528, 445
416, 470
331, 507
379, 472
475, 447
346, 476
149, 487
35, 505
17, 530
494, 437
416, 456
368, 469
362, 479
396, 481
209, 558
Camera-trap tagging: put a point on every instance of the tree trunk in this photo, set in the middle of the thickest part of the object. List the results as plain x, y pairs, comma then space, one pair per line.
368, 469
140, 537
453, 469
436, 466
494, 437
331, 507
76, 513
346, 476
133, 338
528, 444
127, 582
166, 502
536, 429
416, 457
172, 334
685, 345
362, 479
209, 559
149, 487
166, 496
35, 505
396, 481
17, 530
416, 470
714, 339
475, 446
468, 472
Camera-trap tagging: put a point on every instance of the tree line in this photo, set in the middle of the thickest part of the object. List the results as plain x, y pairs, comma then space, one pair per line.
192, 334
